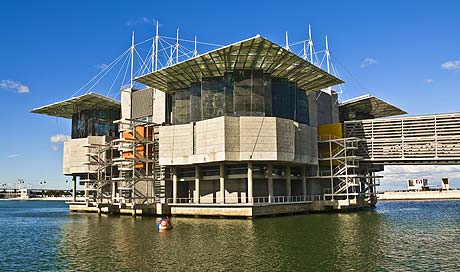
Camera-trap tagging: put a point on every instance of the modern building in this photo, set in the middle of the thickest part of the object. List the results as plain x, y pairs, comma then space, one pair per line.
246, 130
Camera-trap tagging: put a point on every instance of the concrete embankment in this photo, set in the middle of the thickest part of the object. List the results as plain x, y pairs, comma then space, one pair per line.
422, 195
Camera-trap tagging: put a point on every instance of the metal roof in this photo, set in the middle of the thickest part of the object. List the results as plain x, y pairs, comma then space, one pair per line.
370, 105
253, 53
89, 101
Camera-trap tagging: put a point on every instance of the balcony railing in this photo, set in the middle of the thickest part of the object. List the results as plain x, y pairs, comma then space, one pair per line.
247, 200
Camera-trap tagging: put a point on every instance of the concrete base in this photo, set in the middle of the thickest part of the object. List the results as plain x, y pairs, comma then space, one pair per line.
140, 209
239, 210
223, 210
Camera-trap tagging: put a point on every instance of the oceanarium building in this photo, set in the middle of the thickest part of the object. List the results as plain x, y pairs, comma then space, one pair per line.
249, 129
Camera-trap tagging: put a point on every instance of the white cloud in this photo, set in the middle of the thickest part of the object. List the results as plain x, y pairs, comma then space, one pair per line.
142, 20
102, 66
8, 84
13, 156
59, 138
54, 148
367, 62
451, 65
428, 80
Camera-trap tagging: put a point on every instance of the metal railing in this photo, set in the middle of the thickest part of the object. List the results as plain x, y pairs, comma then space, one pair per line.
247, 200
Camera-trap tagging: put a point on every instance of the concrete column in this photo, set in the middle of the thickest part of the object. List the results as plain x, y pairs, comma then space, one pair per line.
174, 180
86, 193
222, 182
114, 191
250, 183
288, 181
74, 188
270, 182
197, 185
304, 181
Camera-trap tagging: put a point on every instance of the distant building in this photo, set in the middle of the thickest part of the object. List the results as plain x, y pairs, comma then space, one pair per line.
24, 193
445, 183
417, 184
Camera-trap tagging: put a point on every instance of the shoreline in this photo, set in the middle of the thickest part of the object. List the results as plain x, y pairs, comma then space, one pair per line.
40, 199
419, 195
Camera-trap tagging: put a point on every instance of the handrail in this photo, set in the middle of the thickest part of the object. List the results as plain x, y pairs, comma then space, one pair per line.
246, 200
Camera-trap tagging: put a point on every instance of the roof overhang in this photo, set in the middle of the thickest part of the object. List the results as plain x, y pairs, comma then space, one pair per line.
370, 105
89, 101
254, 53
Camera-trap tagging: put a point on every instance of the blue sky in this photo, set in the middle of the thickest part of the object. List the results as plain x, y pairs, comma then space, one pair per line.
406, 52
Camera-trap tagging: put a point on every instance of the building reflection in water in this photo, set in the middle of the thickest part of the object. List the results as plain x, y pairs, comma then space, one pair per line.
315, 241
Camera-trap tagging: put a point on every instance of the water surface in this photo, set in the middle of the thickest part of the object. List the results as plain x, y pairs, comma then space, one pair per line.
396, 236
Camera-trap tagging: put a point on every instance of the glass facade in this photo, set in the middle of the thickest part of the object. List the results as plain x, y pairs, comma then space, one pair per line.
212, 97
240, 93
95, 123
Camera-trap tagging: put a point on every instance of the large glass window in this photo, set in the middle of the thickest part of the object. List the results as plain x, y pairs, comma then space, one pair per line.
283, 98
240, 93
258, 94
268, 94
212, 97
229, 110
95, 123
302, 114
182, 106
195, 101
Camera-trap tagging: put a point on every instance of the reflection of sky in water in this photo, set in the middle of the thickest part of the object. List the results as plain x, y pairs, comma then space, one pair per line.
397, 236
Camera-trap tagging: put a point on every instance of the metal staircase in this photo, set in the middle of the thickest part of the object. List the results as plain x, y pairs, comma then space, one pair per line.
126, 171
138, 162
340, 167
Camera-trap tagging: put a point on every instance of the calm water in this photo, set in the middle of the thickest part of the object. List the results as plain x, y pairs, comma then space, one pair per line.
396, 236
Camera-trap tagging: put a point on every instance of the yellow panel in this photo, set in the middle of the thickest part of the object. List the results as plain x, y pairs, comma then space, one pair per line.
334, 130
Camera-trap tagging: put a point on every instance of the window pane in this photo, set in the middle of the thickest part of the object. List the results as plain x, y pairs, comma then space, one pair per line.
229, 110
258, 94
213, 97
182, 106
283, 98
195, 101
302, 107
242, 92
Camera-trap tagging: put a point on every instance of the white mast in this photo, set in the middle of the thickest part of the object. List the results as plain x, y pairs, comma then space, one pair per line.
156, 48
177, 46
195, 53
171, 52
153, 54
310, 44
132, 60
327, 56
287, 42
304, 50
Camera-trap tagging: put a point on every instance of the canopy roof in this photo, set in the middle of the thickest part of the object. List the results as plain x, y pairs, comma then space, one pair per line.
370, 105
89, 101
253, 53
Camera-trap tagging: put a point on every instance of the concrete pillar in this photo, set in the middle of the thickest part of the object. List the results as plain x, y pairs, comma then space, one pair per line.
304, 181
86, 193
250, 183
74, 188
270, 182
114, 191
174, 180
197, 185
288, 181
222, 182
